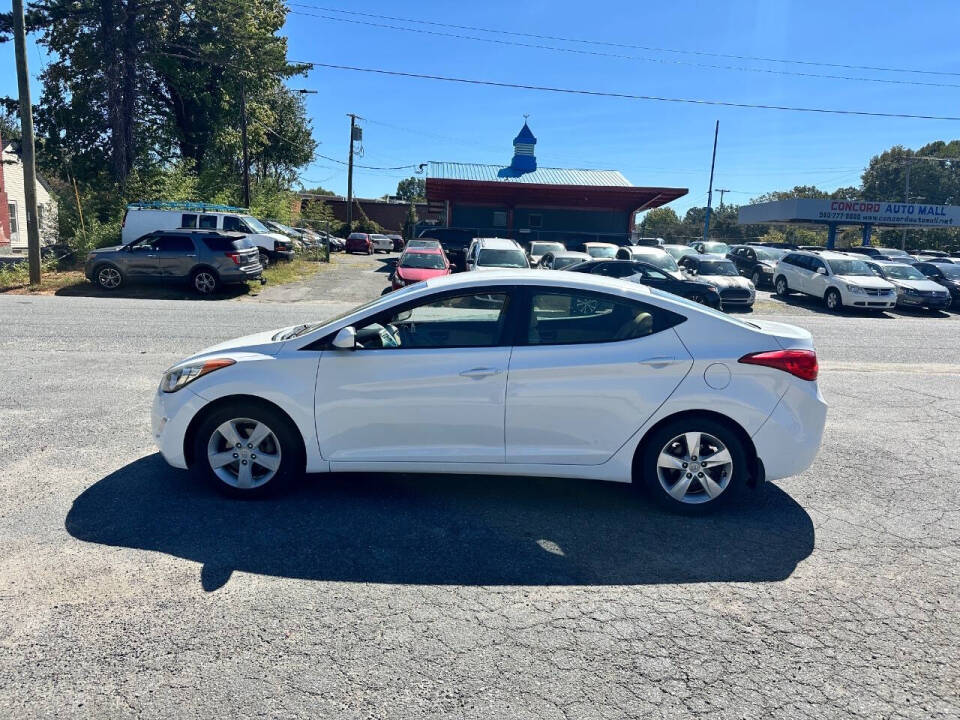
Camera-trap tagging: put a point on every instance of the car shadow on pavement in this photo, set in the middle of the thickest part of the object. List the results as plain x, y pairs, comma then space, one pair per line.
178, 291
387, 264
809, 302
442, 529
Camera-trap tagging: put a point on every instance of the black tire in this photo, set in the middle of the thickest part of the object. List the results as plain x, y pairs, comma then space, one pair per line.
756, 277
204, 281
646, 474
285, 433
780, 286
108, 277
832, 299
264, 260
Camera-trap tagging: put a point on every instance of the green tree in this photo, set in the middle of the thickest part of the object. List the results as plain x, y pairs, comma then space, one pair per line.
660, 222
412, 189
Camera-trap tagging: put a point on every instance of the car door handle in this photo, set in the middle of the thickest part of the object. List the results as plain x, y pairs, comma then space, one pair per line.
658, 362
480, 372
189, 255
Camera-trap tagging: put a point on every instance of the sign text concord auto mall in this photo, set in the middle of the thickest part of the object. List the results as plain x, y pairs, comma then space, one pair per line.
856, 212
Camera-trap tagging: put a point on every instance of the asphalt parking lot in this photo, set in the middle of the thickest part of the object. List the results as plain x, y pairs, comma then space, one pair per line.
128, 590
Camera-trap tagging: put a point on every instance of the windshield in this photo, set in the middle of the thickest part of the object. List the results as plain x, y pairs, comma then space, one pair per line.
769, 254
299, 330
902, 272
601, 251
719, 248
563, 262
422, 261
502, 258
950, 271
664, 261
542, 248
850, 267
678, 251
718, 267
254, 224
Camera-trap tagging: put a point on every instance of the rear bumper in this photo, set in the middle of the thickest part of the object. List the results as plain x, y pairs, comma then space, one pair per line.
788, 441
241, 274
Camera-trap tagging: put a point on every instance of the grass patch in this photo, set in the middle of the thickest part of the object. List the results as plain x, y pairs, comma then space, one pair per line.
15, 278
281, 273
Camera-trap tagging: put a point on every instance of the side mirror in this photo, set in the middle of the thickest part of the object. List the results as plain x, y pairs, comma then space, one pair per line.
821, 271
346, 339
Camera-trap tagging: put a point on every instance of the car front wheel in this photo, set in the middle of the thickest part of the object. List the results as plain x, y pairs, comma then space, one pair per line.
693, 465
247, 450
781, 286
832, 300
109, 277
264, 259
755, 278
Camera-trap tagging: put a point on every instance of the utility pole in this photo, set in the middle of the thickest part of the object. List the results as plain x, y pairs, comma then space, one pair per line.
722, 193
706, 220
246, 150
354, 131
27, 145
906, 200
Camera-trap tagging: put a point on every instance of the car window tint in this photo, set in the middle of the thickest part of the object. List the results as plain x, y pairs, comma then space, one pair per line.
174, 243
208, 222
226, 244
468, 320
565, 317
188, 220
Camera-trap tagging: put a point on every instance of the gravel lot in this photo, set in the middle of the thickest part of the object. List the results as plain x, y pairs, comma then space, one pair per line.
127, 590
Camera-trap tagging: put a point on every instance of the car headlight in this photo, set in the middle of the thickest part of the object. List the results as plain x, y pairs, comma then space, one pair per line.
911, 291
855, 289
178, 377
766, 269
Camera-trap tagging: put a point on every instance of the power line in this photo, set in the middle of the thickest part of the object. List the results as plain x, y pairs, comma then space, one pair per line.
628, 96
326, 157
597, 53
647, 48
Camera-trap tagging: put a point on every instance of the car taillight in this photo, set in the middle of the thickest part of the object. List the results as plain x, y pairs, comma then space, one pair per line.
234, 256
799, 363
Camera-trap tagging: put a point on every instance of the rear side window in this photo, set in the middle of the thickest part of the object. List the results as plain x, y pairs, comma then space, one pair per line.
569, 317
174, 243
208, 222
188, 220
225, 244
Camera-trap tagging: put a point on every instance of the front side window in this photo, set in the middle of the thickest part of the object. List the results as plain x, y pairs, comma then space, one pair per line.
233, 224
188, 220
566, 317
208, 222
769, 254
468, 320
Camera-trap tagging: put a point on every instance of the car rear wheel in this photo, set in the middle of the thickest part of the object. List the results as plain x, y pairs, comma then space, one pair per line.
781, 286
247, 450
832, 299
264, 259
205, 281
693, 465
109, 277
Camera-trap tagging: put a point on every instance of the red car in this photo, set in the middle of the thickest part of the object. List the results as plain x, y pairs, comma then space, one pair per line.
419, 263
359, 243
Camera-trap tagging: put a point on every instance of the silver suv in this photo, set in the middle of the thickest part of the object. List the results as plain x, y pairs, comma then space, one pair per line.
207, 260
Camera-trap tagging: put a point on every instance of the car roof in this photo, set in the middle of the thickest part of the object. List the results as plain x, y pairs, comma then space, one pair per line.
606, 244
711, 257
497, 243
646, 250
510, 276
569, 253
666, 245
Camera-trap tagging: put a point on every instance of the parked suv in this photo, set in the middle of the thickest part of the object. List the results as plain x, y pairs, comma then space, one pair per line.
495, 253
206, 260
840, 280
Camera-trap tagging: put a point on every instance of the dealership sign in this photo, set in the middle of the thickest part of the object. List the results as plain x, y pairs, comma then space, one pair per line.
851, 212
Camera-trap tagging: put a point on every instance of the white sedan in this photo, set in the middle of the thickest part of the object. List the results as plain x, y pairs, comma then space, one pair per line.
504, 372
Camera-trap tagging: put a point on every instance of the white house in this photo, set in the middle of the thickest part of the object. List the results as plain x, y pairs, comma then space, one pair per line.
14, 237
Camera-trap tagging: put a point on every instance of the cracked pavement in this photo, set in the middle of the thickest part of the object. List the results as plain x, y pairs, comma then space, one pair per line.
127, 590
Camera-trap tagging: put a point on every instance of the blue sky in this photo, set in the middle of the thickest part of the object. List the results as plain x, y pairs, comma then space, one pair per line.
410, 121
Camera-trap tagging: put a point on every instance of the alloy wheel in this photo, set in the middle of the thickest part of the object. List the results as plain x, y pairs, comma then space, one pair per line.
109, 278
756, 278
694, 468
204, 282
833, 300
244, 453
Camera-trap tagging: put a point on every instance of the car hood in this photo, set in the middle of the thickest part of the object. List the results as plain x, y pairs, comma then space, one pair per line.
418, 274
866, 282
917, 284
103, 250
261, 343
725, 281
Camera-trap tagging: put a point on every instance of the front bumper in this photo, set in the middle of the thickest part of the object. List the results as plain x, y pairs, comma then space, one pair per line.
931, 303
282, 254
170, 418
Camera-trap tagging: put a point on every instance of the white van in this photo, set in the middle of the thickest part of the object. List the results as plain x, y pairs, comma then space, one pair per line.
143, 218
